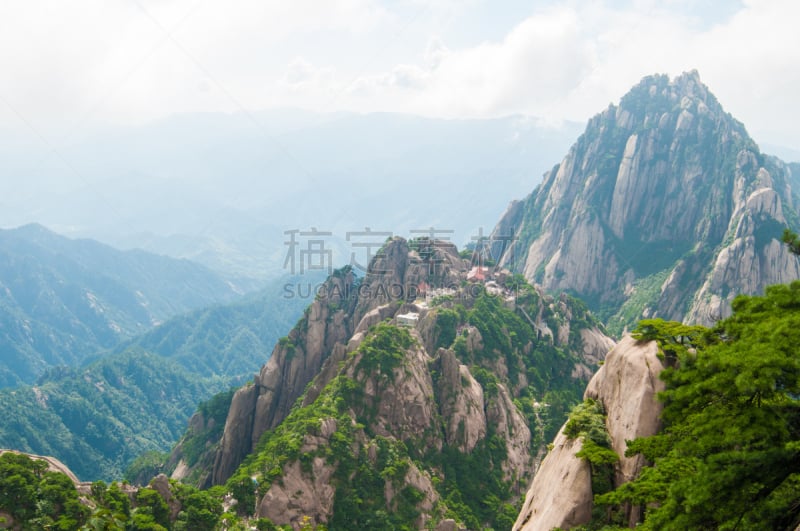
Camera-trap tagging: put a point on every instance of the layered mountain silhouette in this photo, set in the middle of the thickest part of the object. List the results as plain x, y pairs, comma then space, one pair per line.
64, 300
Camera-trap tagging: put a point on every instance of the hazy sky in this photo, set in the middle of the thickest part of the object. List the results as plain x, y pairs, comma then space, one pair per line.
67, 65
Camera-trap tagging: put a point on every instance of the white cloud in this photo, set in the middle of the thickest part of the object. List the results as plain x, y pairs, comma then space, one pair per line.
116, 61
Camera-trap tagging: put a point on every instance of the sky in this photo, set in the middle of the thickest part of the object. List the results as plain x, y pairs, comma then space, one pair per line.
68, 66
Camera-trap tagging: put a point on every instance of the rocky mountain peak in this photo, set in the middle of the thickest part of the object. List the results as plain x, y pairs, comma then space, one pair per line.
417, 375
635, 218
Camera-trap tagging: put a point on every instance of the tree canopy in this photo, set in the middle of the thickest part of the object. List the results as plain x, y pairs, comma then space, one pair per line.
729, 454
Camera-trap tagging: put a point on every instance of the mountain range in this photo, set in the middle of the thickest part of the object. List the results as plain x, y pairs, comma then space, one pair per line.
424, 393
63, 300
220, 189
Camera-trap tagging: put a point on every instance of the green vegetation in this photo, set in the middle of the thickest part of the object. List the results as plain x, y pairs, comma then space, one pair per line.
547, 369
792, 240
342, 427
729, 454
146, 466
646, 293
133, 403
64, 300
36, 497
98, 419
587, 421
213, 412
446, 326
383, 349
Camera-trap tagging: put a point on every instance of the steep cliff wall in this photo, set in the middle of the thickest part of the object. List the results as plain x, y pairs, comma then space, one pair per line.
418, 392
626, 387
664, 207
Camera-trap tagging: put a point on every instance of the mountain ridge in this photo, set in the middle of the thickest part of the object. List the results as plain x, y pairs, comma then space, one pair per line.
661, 208
63, 300
437, 384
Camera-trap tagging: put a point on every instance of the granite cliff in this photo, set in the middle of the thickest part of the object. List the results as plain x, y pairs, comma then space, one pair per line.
625, 387
411, 394
664, 207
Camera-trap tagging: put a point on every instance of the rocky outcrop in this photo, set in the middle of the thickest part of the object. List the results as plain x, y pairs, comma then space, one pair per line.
341, 314
300, 495
53, 464
626, 386
295, 361
561, 493
405, 271
161, 485
508, 422
400, 403
752, 261
237, 439
454, 388
664, 207
461, 403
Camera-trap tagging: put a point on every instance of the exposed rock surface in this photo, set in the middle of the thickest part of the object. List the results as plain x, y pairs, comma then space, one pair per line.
461, 403
561, 493
626, 386
450, 389
664, 207
300, 495
161, 485
295, 361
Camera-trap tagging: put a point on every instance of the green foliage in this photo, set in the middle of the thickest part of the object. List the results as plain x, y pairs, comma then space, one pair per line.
646, 293
145, 467
365, 460
729, 455
516, 282
150, 504
36, 497
65, 300
383, 349
501, 329
214, 412
447, 321
588, 420
792, 241
674, 339
475, 498
200, 510
98, 419
112, 498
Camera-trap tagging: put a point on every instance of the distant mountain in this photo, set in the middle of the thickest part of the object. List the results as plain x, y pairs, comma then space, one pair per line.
63, 300
220, 189
664, 207
98, 418
230, 339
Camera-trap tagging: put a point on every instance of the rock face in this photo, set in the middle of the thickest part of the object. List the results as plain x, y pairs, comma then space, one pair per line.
411, 413
626, 386
664, 207
561, 493
295, 361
